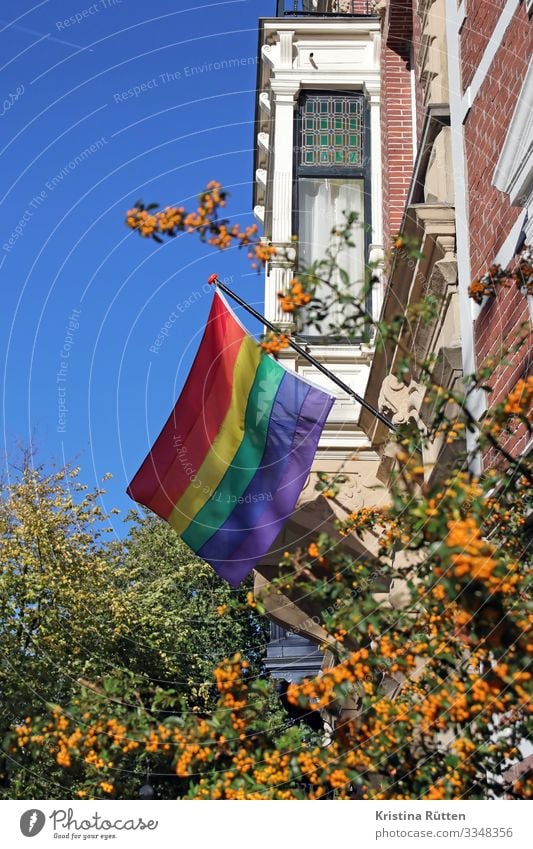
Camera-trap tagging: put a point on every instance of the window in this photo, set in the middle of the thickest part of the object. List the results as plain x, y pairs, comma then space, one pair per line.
332, 177
332, 131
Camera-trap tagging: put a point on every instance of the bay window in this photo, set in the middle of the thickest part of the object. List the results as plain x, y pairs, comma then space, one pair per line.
332, 178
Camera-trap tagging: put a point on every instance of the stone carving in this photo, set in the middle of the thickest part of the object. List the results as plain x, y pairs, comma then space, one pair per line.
262, 140
379, 7
264, 102
401, 399
432, 51
438, 185
261, 176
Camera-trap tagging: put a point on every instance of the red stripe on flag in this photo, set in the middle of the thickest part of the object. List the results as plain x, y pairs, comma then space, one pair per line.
196, 418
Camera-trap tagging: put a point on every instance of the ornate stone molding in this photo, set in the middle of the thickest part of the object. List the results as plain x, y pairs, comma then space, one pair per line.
264, 102
261, 176
401, 400
281, 54
263, 141
379, 7
438, 184
432, 55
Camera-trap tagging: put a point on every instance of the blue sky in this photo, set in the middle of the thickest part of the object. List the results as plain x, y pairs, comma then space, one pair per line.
83, 298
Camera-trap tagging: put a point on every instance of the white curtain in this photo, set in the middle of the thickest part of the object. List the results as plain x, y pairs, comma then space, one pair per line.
322, 204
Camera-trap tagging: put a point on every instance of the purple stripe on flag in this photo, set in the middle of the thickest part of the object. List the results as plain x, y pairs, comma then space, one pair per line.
262, 488
311, 421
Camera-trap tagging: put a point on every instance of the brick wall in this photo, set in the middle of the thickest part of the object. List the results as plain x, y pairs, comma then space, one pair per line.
500, 322
491, 216
396, 114
503, 320
480, 22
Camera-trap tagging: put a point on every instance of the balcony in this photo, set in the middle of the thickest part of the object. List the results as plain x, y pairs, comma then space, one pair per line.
325, 8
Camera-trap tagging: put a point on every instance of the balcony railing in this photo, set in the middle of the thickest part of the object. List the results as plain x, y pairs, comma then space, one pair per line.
325, 8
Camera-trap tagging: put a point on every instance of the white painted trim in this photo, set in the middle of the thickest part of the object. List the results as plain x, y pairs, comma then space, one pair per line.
413, 109
467, 309
490, 51
324, 27
507, 250
462, 13
514, 172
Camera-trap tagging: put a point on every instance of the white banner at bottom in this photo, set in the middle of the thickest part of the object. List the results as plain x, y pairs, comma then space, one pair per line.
167, 825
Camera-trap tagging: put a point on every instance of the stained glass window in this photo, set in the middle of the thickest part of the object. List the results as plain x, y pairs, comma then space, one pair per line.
331, 130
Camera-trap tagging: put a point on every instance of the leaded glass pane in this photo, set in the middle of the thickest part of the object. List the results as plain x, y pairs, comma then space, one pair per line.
332, 132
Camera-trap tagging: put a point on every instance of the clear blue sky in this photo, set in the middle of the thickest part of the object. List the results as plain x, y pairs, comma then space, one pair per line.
129, 82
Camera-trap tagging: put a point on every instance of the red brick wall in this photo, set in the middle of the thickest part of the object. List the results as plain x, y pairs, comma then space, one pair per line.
501, 320
358, 7
477, 29
491, 216
396, 117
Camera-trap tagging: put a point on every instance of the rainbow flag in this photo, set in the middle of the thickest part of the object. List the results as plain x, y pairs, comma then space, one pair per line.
228, 467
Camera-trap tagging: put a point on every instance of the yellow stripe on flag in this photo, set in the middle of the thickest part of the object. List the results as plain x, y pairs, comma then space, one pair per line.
226, 443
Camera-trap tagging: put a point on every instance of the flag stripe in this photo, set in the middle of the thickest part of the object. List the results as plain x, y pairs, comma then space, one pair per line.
224, 446
263, 486
269, 524
160, 481
193, 440
248, 457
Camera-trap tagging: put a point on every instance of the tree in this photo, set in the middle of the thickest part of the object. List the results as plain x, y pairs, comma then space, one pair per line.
140, 624
55, 589
179, 617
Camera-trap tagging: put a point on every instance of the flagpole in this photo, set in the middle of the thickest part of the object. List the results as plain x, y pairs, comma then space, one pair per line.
214, 280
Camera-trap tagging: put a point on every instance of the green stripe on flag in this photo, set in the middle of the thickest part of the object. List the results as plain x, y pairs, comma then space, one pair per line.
246, 460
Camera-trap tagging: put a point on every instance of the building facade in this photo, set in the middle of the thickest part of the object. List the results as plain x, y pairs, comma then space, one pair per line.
416, 115
318, 153
466, 70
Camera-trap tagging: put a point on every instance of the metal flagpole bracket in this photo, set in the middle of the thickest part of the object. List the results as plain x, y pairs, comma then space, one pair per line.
214, 281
